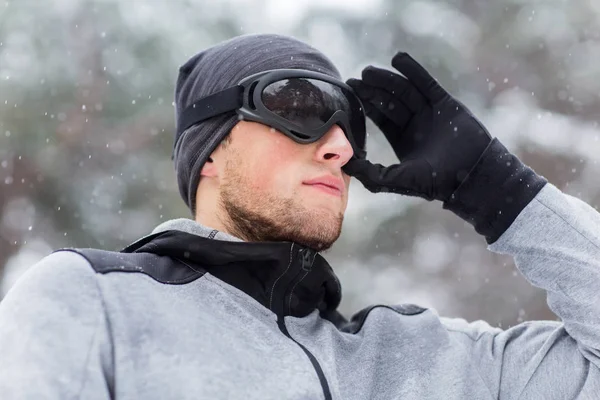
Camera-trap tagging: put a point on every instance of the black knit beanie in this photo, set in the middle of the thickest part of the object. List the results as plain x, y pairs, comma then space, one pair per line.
218, 68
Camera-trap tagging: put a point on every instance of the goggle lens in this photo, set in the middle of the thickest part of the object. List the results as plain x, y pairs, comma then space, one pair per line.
305, 102
310, 104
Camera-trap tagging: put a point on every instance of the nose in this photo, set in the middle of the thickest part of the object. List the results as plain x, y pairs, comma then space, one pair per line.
334, 147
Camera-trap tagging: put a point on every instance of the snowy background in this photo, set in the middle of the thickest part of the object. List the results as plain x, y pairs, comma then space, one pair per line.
86, 127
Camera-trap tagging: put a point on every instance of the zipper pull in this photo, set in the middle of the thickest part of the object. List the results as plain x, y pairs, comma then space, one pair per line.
308, 258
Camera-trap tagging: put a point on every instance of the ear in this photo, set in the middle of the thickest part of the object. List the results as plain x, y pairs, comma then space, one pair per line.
213, 164
209, 169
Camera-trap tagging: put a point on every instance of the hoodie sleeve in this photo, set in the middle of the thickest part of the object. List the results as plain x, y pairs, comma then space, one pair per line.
555, 241
54, 341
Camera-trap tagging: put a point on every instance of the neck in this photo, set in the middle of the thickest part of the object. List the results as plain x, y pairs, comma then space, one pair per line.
210, 218
210, 214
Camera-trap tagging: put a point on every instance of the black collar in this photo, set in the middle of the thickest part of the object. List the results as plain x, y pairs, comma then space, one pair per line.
285, 277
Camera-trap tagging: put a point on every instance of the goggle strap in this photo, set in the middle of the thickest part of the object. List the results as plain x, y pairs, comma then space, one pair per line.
210, 106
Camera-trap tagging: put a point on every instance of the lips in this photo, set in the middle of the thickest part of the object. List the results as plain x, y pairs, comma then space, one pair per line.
327, 182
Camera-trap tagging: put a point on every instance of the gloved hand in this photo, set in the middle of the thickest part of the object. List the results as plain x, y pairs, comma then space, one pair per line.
436, 138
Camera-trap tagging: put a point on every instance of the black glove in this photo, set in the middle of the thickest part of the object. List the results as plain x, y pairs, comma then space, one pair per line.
436, 138
445, 152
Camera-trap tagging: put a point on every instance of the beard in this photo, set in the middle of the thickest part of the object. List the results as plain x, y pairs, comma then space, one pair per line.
256, 216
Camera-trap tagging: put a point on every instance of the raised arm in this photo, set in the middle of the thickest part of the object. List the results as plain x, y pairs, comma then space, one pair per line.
555, 241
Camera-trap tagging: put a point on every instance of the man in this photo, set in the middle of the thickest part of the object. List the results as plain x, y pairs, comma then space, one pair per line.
239, 304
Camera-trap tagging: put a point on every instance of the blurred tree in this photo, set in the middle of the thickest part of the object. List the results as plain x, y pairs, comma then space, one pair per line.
86, 123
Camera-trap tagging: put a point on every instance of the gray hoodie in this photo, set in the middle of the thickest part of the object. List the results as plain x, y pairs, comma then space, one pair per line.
192, 313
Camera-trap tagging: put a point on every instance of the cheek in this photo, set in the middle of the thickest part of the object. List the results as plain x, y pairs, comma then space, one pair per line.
271, 171
270, 162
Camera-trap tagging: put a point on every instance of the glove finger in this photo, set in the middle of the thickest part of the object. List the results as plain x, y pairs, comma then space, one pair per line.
363, 91
384, 123
401, 143
396, 85
419, 77
390, 130
405, 178
391, 121
378, 118
391, 107
371, 175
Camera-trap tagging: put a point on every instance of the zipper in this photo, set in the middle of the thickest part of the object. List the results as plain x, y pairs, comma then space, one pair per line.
307, 258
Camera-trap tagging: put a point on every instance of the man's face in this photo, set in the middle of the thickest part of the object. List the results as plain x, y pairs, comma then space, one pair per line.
263, 189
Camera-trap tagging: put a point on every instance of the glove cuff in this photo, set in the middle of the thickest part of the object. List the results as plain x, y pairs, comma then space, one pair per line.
494, 193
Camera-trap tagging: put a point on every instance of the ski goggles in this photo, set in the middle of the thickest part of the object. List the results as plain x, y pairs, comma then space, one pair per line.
301, 104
